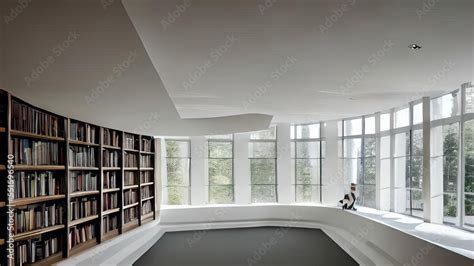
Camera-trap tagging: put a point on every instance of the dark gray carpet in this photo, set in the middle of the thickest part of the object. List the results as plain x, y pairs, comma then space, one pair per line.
246, 246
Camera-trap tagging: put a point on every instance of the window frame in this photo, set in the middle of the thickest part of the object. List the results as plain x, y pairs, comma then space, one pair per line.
188, 157
215, 138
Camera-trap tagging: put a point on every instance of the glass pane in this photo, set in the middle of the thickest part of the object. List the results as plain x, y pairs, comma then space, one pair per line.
307, 193
177, 195
416, 203
370, 125
223, 137
220, 171
385, 147
418, 113
469, 100
264, 134
307, 171
369, 196
469, 211
469, 156
417, 148
385, 122
451, 157
177, 148
220, 149
262, 171
352, 148
221, 194
263, 193
353, 127
307, 131
292, 149
402, 118
352, 170
450, 208
369, 144
292, 132
369, 176
402, 142
417, 172
307, 149
177, 172
445, 106
262, 150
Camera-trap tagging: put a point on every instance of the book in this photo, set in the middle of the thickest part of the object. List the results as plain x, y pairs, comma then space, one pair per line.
36, 249
130, 178
109, 223
80, 156
82, 132
110, 158
146, 161
80, 234
130, 214
130, 196
110, 201
28, 119
110, 179
147, 144
82, 207
37, 152
37, 216
111, 137
147, 192
36, 184
82, 181
146, 177
131, 142
146, 207
131, 159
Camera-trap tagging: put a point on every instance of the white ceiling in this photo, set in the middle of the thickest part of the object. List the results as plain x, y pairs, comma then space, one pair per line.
311, 88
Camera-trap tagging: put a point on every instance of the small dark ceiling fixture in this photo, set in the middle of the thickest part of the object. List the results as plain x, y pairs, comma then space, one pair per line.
414, 46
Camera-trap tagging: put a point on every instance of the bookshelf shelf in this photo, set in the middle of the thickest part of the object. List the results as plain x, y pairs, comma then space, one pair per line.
80, 168
33, 233
83, 143
111, 147
109, 190
83, 220
130, 205
84, 193
27, 201
107, 212
24, 167
61, 146
18, 133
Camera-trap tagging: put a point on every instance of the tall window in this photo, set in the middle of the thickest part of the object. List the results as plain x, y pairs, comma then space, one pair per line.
307, 151
178, 160
262, 155
468, 160
221, 169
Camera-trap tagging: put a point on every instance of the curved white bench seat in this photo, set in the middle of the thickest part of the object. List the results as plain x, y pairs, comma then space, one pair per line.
371, 237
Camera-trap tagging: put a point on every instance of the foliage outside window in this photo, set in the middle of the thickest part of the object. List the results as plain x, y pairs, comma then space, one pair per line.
220, 169
177, 168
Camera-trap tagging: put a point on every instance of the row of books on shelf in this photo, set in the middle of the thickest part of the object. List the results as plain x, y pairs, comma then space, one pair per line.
28, 119
147, 192
130, 214
111, 137
131, 159
147, 207
35, 184
110, 158
130, 196
83, 132
39, 216
3, 109
80, 234
147, 144
131, 141
109, 223
83, 181
130, 178
80, 156
146, 177
110, 201
109, 179
146, 161
83, 207
33, 152
36, 249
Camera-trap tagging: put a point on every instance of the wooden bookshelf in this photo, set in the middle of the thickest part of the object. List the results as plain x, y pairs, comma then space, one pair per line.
72, 136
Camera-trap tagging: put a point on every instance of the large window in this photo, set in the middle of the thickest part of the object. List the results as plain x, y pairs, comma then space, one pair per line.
262, 155
220, 169
468, 172
177, 169
307, 151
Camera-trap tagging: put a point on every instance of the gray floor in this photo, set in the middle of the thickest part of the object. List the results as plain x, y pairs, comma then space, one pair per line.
246, 246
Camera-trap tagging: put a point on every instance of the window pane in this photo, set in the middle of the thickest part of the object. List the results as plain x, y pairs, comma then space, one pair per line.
369, 148
369, 177
385, 147
177, 148
370, 125
469, 211
417, 148
220, 149
469, 100
469, 174
307, 171
263, 193
402, 118
369, 196
352, 148
446, 106
292, 132
177, 171
262, 171
402, 142
385, 122
417, 202
307, 131
222, 137
220, 171
307, 193
418, 113
221, 194
353, 127
264, 134
262, 150
352, 170
307, 149
178, 195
